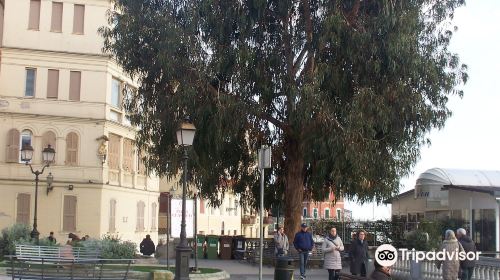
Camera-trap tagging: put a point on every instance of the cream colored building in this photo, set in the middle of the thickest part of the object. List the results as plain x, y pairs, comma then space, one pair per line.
57, 88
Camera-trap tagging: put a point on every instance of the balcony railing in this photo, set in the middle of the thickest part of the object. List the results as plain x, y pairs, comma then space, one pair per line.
248, 220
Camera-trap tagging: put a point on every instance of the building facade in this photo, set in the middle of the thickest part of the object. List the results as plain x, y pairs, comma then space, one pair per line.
57, 88
324, 209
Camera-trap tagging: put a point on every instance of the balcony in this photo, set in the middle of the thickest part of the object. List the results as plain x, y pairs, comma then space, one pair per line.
248, 220
268, 220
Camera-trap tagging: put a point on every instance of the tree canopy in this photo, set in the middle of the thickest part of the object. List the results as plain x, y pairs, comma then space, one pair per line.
344, 92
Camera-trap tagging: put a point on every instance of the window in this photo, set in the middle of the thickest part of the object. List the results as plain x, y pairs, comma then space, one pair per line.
75, 78
52, 83
30, 82
34, 20
153, 216
112, 215
13, 148
72, 149
78, 19
49, 138
25, 139
304, 212
114, 151
140, 216
56, 22
202, 206
115, 93
327, 213
128, 155
315, 213
69, 214
339, 213
141, 168
23, 208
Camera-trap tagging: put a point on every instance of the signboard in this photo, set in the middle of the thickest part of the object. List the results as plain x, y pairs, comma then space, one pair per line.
176, 210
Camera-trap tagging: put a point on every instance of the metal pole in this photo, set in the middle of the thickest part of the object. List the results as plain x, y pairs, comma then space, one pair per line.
195, 232
168, 230
183, 250
34, 233
261, 248
497, 227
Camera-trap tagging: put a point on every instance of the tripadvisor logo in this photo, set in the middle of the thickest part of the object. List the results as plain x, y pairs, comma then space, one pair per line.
387, 255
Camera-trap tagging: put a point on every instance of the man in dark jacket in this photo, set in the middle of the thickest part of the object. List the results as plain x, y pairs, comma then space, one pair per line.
147, 246
380, 272
466, 266
303, 243
359, 255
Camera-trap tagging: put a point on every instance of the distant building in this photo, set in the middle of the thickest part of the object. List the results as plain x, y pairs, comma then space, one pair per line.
470, 197
324, 209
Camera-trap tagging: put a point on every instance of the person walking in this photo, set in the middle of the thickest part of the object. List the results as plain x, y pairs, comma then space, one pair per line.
51, 238
303, 243
147, 246
281, 242
380, 272
359, 255
332, 246
450, 265
466, 266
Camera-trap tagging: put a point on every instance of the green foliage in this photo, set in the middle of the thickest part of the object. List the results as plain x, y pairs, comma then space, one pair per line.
344, 91
111, 247
11, 236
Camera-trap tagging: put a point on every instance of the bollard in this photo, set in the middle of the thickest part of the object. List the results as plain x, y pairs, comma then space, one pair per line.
284, 269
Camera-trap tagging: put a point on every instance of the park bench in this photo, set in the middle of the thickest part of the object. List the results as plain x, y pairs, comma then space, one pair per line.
66, 262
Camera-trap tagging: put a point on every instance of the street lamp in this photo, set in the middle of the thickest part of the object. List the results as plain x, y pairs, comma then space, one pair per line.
185, 136
48, 157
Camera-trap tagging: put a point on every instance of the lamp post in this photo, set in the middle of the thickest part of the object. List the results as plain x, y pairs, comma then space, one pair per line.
48, 157
196, 230
185, 136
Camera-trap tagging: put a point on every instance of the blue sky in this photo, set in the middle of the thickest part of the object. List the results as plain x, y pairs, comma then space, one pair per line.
471, 137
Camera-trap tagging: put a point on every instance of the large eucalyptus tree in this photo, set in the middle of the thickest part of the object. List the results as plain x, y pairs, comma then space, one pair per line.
344, 91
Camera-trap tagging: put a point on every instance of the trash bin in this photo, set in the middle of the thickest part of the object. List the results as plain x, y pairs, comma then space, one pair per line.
225, 247
239, 247
284, 269
200, 243
212, 242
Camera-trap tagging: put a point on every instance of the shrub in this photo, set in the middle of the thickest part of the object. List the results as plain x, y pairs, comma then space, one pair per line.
111, 247
11, 236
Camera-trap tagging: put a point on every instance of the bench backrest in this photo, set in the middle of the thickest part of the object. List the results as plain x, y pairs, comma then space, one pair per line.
53, 252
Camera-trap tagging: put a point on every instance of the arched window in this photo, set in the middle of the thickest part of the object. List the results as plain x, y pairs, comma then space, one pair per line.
49, 138
72, 149
140, 216
112, 215
339, 213
304, 212
315, 213
327, 213
13, 147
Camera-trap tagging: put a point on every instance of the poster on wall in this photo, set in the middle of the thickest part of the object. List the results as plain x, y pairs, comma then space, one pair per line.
176, 210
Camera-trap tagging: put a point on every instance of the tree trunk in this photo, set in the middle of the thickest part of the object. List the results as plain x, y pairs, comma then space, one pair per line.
294, 188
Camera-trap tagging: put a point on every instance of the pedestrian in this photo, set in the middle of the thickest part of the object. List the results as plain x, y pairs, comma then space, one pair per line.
303, 243
466, 266
380, 272
160, 249
359, 255
332, 246
51, 238
281, 242
450, 265
147, 246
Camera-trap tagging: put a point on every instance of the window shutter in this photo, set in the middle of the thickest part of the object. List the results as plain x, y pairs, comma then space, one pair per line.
202, 206
56, 22
114, 151
69, 212
128, 155
141, 168
34, 20
140, 216
112, 216
71, 149
23, 208
153, 216
75, 78
13, 149
78, 19
52, 83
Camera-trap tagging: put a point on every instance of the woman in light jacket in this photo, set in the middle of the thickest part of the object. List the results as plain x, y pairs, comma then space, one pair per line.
450, 266
332, 246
